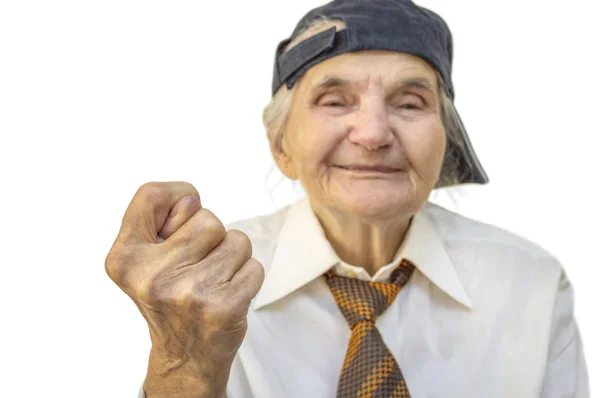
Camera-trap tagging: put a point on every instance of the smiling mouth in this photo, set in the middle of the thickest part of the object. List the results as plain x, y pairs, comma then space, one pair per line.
371, 169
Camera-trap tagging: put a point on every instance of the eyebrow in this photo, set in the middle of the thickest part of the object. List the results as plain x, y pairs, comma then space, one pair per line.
413, 82
333, 82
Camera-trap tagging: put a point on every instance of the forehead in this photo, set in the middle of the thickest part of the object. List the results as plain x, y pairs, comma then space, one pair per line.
373, 66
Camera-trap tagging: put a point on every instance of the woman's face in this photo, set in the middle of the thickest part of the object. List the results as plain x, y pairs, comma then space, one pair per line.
365, 135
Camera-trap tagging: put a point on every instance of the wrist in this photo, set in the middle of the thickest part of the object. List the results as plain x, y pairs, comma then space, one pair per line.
184, 378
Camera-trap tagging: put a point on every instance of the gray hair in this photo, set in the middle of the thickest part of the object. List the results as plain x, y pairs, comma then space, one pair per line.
276, 113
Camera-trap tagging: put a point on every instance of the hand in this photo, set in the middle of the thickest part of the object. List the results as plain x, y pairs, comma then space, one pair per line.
191, 280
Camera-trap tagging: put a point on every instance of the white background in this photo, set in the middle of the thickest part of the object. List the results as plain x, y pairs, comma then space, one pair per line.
98, 97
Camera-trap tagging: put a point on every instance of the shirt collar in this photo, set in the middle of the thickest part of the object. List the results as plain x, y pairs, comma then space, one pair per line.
303, 254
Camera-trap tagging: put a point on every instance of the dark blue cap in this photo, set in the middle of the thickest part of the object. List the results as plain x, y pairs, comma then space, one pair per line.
395, 25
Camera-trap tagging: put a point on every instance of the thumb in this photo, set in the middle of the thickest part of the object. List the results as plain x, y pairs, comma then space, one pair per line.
183, 210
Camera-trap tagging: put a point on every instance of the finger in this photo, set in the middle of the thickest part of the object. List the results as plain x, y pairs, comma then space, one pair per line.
197, 237
247, 281
227, 258
149, 208
183, 210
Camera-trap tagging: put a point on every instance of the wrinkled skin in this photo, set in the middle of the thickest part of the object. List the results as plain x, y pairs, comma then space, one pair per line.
193, 283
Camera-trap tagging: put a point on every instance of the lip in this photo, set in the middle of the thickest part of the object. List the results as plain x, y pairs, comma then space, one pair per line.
369, 168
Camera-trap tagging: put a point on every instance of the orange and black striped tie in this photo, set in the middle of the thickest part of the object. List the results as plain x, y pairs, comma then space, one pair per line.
369, 370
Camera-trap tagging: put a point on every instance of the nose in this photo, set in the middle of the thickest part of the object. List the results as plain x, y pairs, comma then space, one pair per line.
372, 128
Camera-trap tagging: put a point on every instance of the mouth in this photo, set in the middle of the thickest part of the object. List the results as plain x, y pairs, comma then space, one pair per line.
370, 168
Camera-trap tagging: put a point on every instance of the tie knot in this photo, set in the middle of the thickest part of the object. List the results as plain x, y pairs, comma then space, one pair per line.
363, 300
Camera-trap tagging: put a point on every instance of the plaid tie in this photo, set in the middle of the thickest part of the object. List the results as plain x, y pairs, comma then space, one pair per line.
369, 370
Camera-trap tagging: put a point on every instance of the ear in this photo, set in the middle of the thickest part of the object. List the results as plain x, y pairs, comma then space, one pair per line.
284, 160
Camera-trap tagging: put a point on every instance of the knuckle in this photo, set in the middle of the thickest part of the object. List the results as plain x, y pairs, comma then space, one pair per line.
151, 189
206, 300
197, 303
257, 268
146, 292
132, 267
211, 225
148, 195
116, 262
185, 301
240, 240
216, 311
158, 292
184, 297
188, 187
151, 193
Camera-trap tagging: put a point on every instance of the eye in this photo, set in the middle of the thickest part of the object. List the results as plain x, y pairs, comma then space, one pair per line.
408, 102
333, 101
408, 107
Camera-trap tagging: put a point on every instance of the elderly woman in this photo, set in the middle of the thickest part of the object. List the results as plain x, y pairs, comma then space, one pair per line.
363, 288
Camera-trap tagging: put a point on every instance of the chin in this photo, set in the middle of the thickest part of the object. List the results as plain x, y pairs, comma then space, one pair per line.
377, 205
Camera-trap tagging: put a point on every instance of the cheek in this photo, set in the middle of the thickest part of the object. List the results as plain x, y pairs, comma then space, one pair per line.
314, 142
425, 147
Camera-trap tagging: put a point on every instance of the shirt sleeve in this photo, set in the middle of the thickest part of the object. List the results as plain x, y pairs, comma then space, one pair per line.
566, 370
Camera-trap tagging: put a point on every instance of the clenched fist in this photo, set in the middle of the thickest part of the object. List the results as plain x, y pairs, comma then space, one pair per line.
193, 283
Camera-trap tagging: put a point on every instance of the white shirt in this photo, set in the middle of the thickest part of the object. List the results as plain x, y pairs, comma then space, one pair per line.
485, 314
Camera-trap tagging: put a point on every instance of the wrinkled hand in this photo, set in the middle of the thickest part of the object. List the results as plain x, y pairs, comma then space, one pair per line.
191, 280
